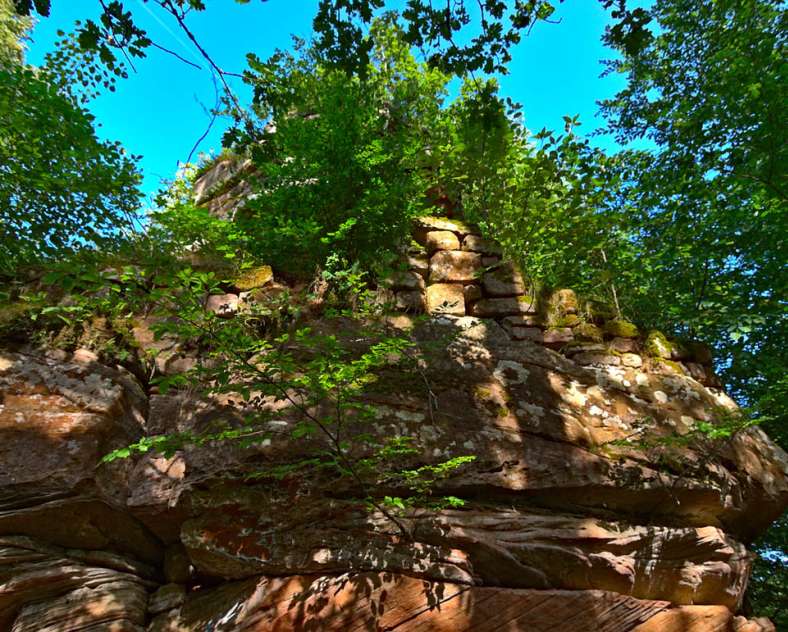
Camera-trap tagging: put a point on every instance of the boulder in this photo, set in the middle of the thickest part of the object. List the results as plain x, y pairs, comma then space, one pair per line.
620, 329
48, 588
57, 420
658, 346
569, 520
265, 534
253, 278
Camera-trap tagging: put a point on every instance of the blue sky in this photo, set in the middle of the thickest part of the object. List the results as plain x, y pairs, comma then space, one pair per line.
159, 111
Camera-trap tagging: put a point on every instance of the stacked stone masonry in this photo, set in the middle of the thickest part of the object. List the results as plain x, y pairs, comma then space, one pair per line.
454, 271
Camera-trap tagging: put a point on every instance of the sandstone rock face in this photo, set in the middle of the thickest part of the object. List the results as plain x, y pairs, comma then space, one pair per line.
555, 530
374, 601
567, 524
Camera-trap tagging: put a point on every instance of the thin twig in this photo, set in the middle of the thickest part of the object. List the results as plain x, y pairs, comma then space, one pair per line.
114, 39
174, 54
211, 121
170, 8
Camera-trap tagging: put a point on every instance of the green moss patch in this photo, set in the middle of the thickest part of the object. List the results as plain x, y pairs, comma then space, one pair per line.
657, 345
621, 329
254, 278
588, 332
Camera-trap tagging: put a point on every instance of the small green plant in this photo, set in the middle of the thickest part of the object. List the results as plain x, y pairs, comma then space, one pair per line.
316, 381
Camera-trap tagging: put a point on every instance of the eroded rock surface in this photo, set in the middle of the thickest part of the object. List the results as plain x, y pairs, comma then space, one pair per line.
568, 524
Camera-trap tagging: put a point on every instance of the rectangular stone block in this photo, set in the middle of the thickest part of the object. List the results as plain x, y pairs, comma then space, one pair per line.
441, 240
446, 298
477, 243
499, 307
405, 280
505, 281
535, 334
455, 266
473, 293
418, 264
558, 335
410, 301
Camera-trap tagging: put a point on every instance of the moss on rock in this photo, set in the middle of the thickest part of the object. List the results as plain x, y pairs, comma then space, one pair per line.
598, 312
657, 345
565, 301
254, 278
14, 318
621, 329
669, 366
570, 320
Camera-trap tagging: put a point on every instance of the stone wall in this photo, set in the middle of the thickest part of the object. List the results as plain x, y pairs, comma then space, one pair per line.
451, 270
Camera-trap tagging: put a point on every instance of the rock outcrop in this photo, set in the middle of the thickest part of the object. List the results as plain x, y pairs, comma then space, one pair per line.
570, 523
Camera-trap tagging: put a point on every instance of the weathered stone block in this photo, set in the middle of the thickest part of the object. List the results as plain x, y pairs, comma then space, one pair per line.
410, 301
405, 280
254, 278
166, 598
584, 347
523, 320
624, 345
534, 334
454, 266
441, 240
505, 281
564, 301
473, 293
418, 264
603, 359
477, 243
631, 360
658, 346
442, 223
558, 336
589, 332
446, 298
621, 329
497, 307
